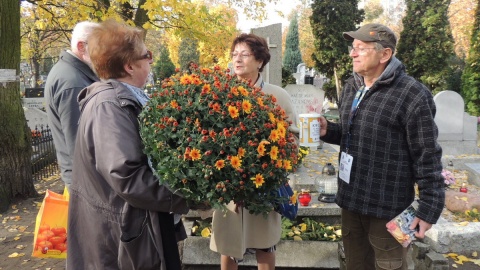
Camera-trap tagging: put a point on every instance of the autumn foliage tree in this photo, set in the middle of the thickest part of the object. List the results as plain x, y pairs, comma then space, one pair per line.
471, 74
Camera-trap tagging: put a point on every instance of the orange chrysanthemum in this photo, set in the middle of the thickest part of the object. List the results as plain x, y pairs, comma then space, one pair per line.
174, 104
195, 154
186, 79
236, 162
216, 107
241, 152
206, 88
220, 164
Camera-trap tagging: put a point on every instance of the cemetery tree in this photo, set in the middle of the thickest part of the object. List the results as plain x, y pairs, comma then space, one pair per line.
188, 53
292, 56
164, 66
426, 43
287, 77
212, 22
461, 15
330, 18
38, 43
15, 138
305, 35
471, 73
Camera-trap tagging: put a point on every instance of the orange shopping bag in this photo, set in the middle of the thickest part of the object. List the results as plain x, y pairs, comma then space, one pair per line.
50, 239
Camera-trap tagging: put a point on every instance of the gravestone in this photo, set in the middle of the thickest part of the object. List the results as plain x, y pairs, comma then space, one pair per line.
300, 74
35, 118
272, 72
37, 102
319, 81
306, 98
457, 130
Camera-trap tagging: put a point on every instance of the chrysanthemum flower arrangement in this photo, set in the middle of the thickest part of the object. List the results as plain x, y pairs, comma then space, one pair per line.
215, 139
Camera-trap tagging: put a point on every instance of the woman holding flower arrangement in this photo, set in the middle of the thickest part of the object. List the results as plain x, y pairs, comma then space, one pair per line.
120, 217
236, 231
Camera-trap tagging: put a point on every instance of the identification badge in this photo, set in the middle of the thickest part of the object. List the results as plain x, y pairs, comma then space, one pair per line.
346, 161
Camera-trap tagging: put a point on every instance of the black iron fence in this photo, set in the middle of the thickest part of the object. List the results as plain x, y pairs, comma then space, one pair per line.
44, 158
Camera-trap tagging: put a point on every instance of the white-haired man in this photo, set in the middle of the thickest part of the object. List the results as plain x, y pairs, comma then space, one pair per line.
68, 76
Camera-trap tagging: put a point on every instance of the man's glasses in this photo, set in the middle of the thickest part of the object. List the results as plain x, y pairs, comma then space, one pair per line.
360, 51
241, 55
148, 55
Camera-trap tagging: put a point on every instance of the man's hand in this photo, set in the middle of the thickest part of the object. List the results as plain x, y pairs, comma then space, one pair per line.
423, 227
323, 126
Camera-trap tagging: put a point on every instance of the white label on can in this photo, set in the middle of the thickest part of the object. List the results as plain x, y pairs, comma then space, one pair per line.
315, 130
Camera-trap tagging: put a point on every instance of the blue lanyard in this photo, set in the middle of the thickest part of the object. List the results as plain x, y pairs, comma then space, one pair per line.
353, 112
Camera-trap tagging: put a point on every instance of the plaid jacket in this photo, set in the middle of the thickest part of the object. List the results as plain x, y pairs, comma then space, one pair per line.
394, 145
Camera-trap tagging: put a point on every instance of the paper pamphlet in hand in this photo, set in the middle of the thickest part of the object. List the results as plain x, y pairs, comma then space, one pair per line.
399, 227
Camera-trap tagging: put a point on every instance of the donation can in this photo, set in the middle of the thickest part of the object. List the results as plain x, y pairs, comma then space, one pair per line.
309, 129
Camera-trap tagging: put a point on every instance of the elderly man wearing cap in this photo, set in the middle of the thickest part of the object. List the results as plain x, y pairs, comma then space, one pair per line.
388, 143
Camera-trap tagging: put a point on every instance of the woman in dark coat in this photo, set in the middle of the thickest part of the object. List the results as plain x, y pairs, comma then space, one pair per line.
120, 217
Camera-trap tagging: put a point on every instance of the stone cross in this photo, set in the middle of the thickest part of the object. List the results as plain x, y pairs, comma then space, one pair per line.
272, 72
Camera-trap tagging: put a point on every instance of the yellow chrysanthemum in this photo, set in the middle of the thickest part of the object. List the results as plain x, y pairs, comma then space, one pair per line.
274, 153
274, 136
236, 162
233, 111
282, 131
293, 199
206, 232
258, 180
195, 154
243, 91
246, 106
272, 118
287, 164
261, 148
260, 101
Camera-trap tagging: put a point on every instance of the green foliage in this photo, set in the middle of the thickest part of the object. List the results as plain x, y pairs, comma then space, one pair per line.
292, 57
310, 230
455, 69
188, 53
471, 215
426, 42
287, 77
471, 74
164, 66
330, 18
330, 90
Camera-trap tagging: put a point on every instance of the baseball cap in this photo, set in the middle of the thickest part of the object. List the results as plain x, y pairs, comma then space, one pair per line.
373, 32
